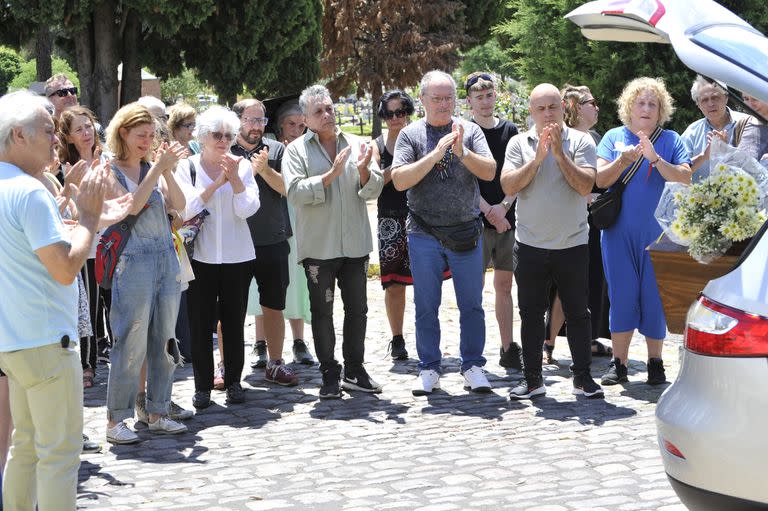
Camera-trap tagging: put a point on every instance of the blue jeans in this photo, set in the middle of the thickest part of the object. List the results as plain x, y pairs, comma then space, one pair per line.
145, 304
428, 259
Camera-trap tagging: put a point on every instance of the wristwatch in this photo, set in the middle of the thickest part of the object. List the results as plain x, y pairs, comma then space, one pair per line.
507, 204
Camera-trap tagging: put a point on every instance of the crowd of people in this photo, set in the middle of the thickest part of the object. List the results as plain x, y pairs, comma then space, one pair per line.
208, 219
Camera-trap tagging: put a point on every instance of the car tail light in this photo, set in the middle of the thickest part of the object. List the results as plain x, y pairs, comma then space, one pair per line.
721, 331
672, 449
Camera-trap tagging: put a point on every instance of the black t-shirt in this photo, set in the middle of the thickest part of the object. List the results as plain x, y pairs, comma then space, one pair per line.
392, 203
491, 191
270, 224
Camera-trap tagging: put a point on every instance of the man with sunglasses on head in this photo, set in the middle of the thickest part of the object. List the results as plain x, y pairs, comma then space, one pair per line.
329, 175
439, 160
498, 210
270, 230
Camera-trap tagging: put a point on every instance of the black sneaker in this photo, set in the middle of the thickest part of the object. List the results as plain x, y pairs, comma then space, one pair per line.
656, 374
202, 399
359, 380
259, 355
89, 446
510, 359
102, 350
235, 394
584, 385
616, 373
397, 348
301, 353
330, 388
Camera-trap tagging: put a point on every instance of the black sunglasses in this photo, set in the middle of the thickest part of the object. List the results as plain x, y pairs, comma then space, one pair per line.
63, 93
399, 113
475, 79
219, 136
592, 102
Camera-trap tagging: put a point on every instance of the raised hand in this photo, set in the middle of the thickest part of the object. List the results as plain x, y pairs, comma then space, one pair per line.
90, 196
115, 210
556, 139
229, 164
442, 146
646, 147
62, 200
340, 161
167, 156
364, 158
73, 174
544, 142
458, 143
260, 161
630, 153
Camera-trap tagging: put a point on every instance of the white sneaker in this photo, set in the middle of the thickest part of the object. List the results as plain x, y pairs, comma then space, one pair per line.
427, 381
475, 380
166, 426
120, 434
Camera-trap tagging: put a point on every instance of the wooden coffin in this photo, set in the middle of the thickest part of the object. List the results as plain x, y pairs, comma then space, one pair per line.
681, 279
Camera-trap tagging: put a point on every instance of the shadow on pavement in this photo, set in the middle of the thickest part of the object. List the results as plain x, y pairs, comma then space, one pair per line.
359, 405
490, 406
593, 412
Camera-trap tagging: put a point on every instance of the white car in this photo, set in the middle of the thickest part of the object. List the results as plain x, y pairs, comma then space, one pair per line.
713, 420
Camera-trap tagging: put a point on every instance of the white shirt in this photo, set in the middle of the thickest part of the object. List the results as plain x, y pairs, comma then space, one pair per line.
224, 236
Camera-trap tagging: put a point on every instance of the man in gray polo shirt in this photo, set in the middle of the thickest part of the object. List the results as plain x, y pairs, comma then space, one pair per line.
552, 169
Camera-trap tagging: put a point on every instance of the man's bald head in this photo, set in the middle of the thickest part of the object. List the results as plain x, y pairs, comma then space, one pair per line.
545, 105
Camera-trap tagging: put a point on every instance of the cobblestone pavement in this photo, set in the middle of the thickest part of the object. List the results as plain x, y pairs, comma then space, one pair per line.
285, 449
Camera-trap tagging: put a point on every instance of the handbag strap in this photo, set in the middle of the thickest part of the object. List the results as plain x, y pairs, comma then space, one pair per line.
636, 165
192, 171
738, 130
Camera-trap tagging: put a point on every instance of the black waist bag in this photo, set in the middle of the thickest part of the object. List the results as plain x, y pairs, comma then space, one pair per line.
461, 237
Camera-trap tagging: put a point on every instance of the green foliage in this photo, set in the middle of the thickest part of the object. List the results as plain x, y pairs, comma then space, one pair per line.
488, 57
242, 46
547, 48
10, 65
28, 73
185, 85
480, 16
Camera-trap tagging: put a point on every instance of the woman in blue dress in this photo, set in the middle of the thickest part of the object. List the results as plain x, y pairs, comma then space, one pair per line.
643, 105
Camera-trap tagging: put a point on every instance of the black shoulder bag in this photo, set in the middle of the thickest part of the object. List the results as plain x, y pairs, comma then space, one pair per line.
605, 209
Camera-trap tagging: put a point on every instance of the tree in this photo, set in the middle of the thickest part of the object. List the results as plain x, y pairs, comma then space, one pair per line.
547, 48
107, 32
490, 57
380, 44
10, 65
244, 46
28, 73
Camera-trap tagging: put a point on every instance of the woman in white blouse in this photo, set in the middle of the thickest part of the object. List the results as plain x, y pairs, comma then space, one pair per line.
222, 184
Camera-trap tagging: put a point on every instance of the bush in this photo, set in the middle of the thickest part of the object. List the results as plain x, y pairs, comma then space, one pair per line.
28, 73
10, 65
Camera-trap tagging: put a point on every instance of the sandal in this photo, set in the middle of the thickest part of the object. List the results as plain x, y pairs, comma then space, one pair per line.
601, 350
548, 358
88, 377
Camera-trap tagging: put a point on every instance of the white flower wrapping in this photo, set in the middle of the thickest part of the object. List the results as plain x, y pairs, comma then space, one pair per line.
728, 206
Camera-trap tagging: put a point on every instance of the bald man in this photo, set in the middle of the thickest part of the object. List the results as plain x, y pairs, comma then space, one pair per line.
551, 168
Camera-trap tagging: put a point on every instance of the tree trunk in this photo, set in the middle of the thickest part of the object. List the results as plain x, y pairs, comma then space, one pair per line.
130, 88
105, 59
375, 98
83, 39
43, 50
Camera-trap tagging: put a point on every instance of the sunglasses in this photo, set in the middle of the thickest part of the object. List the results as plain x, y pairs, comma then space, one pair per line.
475, 79
592, 102
218, 136
188, 125
256, 121
399, 113
63, 93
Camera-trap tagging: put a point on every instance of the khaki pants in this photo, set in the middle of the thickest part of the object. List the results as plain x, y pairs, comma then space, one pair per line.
46, 394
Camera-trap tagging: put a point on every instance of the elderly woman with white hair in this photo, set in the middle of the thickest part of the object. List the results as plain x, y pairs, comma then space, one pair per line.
222, 184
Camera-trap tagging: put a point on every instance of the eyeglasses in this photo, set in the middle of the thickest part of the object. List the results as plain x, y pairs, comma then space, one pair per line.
255, 121
441, 99
188, 125
475, 79
63, 93
592, 102
218, 136
711, 98
399, 113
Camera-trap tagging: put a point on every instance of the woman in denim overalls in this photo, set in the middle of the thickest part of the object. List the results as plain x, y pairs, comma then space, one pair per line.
145, 287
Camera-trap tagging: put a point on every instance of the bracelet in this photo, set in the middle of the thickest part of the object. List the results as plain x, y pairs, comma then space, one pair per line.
654, 162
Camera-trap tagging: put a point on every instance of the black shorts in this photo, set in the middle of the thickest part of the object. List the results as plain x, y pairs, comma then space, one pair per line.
270, 269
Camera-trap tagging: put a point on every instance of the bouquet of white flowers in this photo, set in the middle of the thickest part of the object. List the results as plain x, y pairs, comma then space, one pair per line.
725, 207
